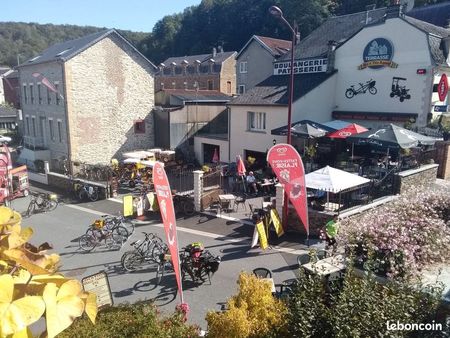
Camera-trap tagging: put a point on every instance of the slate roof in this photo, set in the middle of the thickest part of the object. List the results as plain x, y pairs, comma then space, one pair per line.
275, 47
198, 96
68, 49
273, 90
342, 28
437, 14
219, 58
6, 111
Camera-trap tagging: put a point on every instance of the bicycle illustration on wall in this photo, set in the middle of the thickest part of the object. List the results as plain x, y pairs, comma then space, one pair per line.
362, 89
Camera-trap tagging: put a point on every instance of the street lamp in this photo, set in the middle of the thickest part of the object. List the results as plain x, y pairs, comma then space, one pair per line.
278, 13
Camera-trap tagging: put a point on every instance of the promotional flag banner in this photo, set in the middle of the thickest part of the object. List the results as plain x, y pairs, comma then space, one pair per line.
288, 167
47, 83
276, 222
262, 235
127, 205
165, 201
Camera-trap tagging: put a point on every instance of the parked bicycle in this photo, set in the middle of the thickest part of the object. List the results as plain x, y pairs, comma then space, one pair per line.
87, 191
142, 253
41, 202
112, 221
183, 204
196, 262
363, 88
98, 234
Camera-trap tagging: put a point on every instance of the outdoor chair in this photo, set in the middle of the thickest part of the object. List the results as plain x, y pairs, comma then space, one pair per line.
254, 212
302, 259
262, 273
240, 200
321, 254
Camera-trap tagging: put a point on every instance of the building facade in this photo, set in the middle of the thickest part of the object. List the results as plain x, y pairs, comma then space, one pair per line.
369, 68
254, 62
215, 71
88, 100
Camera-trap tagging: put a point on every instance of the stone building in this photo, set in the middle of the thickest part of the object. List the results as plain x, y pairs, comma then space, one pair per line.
215, 71
88, 100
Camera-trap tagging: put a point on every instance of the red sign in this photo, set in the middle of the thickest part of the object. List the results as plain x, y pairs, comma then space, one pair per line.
443, 88
165, 201
288, 167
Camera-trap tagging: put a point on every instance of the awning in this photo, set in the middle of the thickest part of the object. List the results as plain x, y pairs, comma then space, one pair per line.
303, 130
333, 180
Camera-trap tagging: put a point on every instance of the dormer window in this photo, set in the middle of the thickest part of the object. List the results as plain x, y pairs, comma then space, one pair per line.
211, 65
197, 65
184, 64
173, 66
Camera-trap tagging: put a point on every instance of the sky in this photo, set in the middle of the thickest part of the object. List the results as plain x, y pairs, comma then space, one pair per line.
134, 15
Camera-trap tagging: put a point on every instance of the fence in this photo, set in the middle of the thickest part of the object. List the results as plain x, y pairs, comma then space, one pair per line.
181, 179
212, 180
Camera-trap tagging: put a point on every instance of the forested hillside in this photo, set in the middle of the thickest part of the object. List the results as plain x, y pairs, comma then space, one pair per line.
196, 30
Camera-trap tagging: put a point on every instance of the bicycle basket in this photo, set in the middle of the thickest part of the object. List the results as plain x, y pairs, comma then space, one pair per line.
99, 223
52, 197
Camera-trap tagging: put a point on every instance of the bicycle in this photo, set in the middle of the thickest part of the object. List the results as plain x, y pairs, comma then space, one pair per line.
142, 252
114, 238
114, 221
183, 204
41, 202
362, 89
87, 191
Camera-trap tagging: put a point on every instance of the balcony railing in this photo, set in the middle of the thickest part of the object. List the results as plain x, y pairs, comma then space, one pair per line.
34, 143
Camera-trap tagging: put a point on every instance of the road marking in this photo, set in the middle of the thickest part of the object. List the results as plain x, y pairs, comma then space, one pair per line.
198, 232
115, 200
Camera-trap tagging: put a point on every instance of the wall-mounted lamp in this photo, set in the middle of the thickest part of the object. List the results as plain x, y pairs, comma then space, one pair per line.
274, 141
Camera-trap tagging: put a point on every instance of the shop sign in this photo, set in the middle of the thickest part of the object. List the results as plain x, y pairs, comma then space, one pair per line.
99, 285
301, 66
443, 87
440, 109
377, 54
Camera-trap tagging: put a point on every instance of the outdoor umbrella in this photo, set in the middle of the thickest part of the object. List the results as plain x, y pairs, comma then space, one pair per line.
391, 136
302, 130
241, 168
347, 131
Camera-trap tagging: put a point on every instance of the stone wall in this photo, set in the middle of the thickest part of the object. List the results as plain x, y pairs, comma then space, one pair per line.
415, 178
109, 87
317, 221
62, 185
443, 158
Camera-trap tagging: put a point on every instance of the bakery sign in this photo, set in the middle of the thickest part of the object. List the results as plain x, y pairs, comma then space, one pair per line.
377, 54
300, 67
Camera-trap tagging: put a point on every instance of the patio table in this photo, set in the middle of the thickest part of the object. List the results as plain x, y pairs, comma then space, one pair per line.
326, 266
227, 201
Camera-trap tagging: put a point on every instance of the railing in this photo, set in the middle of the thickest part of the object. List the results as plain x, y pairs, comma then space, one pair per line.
34, 143
181, 179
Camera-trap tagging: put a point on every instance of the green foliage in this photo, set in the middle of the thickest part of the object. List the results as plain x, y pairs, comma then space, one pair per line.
360, 308
136, 320
253, 312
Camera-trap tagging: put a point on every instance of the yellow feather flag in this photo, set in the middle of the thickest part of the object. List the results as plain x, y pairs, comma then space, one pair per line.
128, 205
276, 222
262, 235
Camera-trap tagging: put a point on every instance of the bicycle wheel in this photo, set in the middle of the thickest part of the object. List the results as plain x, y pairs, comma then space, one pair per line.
94, 195
121, 231
87, 242
349, 93
51, 205
128, 225
372, 90
30, 210
188, 208
160, 272
82, 194
131, 261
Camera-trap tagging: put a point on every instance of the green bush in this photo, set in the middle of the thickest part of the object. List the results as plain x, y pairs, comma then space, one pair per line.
136, 320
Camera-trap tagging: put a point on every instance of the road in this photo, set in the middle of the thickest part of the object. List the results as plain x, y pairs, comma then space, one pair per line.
231, 240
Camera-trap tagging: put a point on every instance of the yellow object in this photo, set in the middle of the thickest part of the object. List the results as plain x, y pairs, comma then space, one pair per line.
276, 222
262, 235
99, 223
128, 205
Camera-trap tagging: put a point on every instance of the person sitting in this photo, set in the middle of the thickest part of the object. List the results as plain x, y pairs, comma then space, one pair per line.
251, 183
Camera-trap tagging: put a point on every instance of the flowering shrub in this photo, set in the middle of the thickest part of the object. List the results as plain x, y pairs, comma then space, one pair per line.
404, 235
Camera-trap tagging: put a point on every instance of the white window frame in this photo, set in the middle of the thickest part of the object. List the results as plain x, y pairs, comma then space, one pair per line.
241, 91
256, 121
243, 67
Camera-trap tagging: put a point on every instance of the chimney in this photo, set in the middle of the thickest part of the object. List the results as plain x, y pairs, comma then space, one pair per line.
331, 55
214, 52
394, 11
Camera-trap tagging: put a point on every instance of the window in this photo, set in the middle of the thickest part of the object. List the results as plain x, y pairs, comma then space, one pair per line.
256, 121
57, 94
31, 94
39, 93
25, 96
229, 87
50, 127
241, 89
210, 84
139, 127
49, 98
60, 131
27, 124
33, 125
243, 67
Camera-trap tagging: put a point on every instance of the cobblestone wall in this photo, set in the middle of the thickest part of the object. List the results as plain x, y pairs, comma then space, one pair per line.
443, 158
415, 179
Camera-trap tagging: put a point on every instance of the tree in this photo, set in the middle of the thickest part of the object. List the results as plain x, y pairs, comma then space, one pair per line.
30, 288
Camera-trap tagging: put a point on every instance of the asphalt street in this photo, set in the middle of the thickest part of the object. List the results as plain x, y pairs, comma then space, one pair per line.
229, 239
